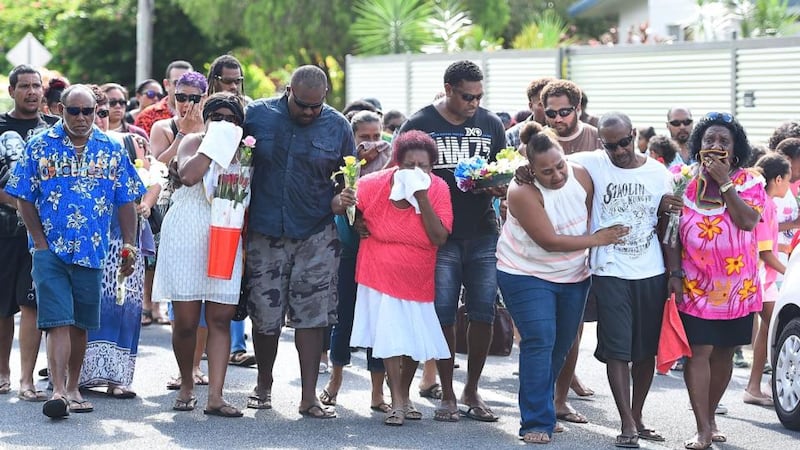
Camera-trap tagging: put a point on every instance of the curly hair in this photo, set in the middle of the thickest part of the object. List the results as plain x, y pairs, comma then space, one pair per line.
462, 71
414, 140
784, 131
665, 147
773, 165
741, 146
536, 86
99, 94
193, 79
562, 87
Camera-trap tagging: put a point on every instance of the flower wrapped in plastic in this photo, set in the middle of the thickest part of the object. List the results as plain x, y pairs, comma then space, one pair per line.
351, 170
476, 173
682, 174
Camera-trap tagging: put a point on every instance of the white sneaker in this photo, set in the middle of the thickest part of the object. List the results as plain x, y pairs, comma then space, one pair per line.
721, 409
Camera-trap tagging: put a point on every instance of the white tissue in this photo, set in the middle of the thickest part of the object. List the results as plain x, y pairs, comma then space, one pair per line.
408, 181
221, 141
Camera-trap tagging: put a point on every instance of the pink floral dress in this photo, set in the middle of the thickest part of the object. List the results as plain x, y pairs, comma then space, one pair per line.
720, 260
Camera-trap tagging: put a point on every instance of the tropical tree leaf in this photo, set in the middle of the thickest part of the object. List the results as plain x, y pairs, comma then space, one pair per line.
548, 30
448, 26
391, 26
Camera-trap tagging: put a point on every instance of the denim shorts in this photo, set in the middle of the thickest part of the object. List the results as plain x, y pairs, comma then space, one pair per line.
473, 264
67, 294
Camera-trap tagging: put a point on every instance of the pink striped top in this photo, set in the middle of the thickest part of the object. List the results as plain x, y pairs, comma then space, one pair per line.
518, 254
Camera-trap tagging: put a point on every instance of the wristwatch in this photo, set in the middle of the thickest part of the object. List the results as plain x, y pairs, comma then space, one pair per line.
677, 273
726, 187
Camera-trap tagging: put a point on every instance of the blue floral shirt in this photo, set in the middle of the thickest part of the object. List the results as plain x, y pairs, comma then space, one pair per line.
75, 197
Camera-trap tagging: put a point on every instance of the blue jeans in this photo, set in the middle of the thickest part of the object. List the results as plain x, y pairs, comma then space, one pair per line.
345, 309
471, 262
547, 316
237, 337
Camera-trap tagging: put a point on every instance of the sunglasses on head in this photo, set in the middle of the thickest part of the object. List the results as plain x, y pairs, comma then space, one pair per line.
684, 122
194, 98
219, 117
76, 110
624, 142
563, 112
725, 117
151, 94
237, 80
469, 98
102, 113
113, 103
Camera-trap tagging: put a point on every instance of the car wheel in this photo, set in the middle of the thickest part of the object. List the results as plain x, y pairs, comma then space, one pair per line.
786, 376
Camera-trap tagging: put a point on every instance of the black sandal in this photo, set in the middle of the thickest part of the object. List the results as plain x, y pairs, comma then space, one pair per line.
147, 317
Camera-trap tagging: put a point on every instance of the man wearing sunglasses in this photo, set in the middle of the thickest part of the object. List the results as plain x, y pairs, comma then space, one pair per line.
680, 125
225, 74
163, 109
562, 110
292, 243
628, 278
462, 129
67, 185
16, 286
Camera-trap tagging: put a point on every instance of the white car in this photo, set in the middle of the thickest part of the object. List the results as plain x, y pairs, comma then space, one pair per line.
784, 348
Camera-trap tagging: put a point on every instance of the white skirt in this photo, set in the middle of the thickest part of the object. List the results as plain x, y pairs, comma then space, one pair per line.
395, 327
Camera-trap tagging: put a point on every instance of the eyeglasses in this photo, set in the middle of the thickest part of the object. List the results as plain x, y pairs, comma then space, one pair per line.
304, 105
725, 117
684, 122
237, 80
469, 98
624, 142
194, 98
153, 94
113, 103
563, 112
76, 110
218, 117
102, 113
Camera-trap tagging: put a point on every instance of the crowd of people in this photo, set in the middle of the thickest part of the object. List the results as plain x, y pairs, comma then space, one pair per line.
577, 236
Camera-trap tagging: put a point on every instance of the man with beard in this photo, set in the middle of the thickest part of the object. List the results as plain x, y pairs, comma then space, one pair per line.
679, 124
16, 285
628, 278
562, 110
462, 129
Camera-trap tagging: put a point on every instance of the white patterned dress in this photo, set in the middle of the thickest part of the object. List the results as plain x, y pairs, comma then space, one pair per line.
183, 253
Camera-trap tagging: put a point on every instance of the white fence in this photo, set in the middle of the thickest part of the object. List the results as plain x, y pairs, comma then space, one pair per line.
758, 80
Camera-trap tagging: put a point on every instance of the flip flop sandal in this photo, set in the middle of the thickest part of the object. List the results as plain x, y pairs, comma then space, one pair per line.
328, 399
121, 393
80, 406
43, 373
200, 379
5, 387
318, 412
433, 391
147, 317
184, 405
488, 415
574, 417
445, 415
649, 434
395, 418
242, 359
624, 441
162, 321
57, 408
225, 410
254, 401
381, 407
29, 395
696, 445
412, 413
174, 384
535, 437
719, 437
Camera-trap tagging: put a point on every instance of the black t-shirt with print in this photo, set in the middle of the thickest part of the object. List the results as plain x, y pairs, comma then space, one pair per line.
482, 134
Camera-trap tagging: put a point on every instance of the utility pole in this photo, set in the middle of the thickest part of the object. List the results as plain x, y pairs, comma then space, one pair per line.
144, 40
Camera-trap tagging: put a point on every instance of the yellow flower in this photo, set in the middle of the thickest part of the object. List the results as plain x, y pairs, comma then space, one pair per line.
138, 163
720, 294
734, 265
710, 228
691, 288
748, 289
685, 171
349, 160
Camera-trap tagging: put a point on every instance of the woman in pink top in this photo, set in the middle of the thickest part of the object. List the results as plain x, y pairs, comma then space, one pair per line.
409, 215
715, 277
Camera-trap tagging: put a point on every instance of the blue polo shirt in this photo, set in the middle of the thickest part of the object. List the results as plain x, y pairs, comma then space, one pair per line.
75, 197
292, 188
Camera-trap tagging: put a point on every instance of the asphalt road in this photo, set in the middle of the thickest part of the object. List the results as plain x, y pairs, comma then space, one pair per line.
148, 422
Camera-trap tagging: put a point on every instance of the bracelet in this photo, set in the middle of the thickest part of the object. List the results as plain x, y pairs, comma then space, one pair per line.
180, 134
726, 187
677, 273
128, 251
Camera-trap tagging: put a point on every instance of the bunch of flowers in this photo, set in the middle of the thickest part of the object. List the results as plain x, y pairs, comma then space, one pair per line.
351, 170
156, 174
681, 174
232, 189
127, 252
477, 173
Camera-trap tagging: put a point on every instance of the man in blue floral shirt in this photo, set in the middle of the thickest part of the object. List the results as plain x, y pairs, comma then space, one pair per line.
66, 185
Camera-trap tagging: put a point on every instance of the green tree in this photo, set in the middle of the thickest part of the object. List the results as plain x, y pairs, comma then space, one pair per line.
391, 26
492, 15
449, 25
547, 31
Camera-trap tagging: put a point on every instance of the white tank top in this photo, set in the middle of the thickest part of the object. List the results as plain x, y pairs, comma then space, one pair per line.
518, 254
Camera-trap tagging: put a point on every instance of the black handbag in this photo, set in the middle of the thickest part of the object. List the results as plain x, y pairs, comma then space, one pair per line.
155, 219
502, 335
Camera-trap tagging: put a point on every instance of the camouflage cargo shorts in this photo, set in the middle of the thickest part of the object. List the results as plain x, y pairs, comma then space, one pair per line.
291, 281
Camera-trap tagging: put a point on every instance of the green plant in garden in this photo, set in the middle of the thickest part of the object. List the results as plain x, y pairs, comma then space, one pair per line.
548, 30
449, 25
391, 26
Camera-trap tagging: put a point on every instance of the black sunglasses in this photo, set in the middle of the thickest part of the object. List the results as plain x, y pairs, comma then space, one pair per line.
76, 110
624, 142
113, 103
684, 122
725, 117
153, 94
563, 112
304, 105
237, 80
102, 113
194, 98
469, 98
219, 117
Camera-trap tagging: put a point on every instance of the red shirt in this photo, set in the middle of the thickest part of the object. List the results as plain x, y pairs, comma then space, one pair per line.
398, 258
153, 114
